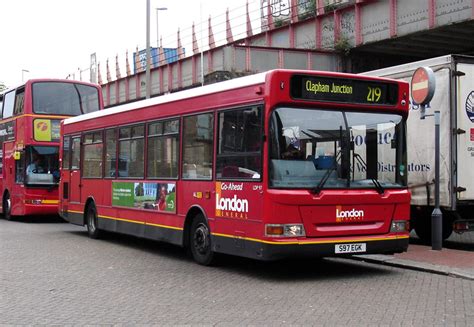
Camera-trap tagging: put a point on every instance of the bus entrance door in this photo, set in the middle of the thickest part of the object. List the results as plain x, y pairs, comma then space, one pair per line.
75, 177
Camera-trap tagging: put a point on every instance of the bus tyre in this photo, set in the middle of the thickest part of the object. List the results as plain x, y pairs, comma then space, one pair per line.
200, 241
7, 207
92, 222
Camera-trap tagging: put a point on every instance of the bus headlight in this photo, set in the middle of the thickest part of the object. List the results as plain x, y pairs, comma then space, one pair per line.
286, 230
400, 226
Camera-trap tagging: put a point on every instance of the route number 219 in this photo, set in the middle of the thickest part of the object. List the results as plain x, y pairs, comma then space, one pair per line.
374, 94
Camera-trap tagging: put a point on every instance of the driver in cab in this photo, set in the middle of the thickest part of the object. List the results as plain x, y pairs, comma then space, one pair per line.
35, 167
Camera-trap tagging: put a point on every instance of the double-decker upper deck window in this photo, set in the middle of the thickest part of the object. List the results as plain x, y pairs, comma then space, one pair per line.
240, 143
8, 104
61, 98
93, 147
163, 149
197, 146
131, 151
19, 102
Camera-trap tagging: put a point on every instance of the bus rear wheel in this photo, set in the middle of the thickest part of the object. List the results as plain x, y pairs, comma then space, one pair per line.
7, 207
200, 241
92, 222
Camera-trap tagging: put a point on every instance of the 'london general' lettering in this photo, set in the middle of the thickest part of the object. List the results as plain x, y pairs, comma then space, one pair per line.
232, 204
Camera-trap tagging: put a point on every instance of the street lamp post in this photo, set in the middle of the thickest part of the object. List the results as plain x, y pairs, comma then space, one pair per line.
23, 71
157, 33
147, 74
148, 50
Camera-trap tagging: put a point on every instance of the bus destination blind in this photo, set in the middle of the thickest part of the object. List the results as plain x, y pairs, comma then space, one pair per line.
343, 90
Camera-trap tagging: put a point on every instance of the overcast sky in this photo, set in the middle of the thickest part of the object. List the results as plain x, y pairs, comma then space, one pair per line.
53, 38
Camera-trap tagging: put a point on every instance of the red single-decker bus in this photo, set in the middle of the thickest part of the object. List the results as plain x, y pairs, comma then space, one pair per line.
273, 165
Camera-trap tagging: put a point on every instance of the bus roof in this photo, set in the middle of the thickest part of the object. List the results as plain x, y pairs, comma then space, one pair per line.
186, 94
35, 80
236, 83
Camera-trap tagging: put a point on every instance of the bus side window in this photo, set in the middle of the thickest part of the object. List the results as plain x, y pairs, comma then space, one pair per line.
198, 135
92, 163
163, 149
110, 153
131, 151
239, 145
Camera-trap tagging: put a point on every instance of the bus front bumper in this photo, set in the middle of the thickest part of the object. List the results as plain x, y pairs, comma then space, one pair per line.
342, 247
40, 207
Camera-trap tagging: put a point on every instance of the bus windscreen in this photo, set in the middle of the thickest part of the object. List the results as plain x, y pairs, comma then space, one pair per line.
58, 98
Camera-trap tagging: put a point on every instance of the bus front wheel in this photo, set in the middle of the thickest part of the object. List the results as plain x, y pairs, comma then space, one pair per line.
7, 207
200, 241
92, 222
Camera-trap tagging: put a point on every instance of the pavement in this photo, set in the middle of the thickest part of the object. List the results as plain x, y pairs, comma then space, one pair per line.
450, 262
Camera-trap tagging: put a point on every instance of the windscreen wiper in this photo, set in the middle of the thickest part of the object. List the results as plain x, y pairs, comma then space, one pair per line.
323, 180
380, 189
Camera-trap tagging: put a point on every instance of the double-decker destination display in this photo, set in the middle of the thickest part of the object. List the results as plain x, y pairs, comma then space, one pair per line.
29, 141
278, 164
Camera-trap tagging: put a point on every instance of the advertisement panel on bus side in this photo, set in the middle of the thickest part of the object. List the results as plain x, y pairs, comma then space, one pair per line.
140, 195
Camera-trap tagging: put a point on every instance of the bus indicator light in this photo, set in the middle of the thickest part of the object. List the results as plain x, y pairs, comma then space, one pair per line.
287, 230
274, 230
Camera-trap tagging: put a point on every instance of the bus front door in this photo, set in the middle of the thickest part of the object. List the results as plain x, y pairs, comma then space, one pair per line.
75, 178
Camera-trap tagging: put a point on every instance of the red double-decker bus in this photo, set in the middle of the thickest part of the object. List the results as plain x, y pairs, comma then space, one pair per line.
267, 166
29, 141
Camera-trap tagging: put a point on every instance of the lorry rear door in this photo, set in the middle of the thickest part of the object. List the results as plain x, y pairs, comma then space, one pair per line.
465, 132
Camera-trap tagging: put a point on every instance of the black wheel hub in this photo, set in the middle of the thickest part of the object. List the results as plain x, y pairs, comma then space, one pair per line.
201, 239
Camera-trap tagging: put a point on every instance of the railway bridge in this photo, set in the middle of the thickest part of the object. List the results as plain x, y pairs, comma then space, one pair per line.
336, 35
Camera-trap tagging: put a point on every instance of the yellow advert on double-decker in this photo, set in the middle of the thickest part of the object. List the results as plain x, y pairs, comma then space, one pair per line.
42, 130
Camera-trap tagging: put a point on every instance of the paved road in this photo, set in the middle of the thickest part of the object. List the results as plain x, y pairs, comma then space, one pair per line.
464, 242
52, 273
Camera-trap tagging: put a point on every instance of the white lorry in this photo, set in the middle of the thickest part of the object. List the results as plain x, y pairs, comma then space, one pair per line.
454, 98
